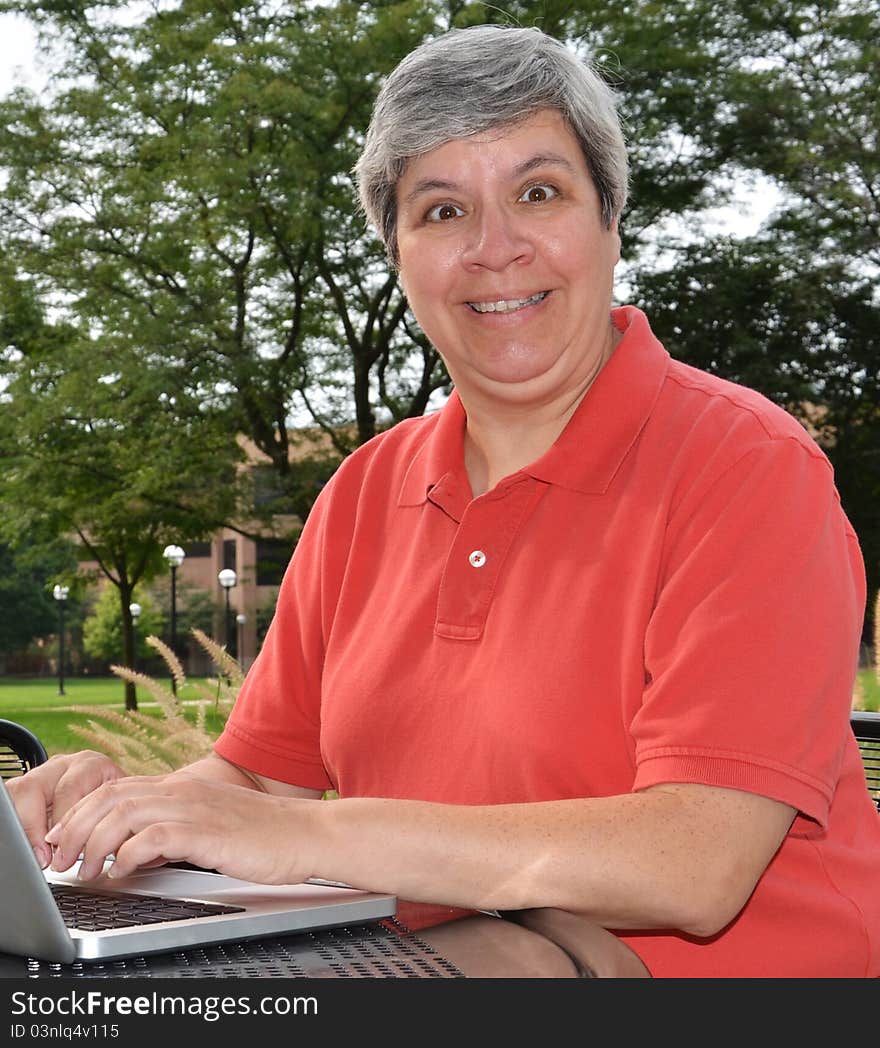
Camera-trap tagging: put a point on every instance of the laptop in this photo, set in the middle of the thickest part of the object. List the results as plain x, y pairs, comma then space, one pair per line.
52, 917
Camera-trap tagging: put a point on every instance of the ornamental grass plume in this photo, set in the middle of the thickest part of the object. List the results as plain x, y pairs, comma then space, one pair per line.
860, 698
146, 744
877, 637
858, 694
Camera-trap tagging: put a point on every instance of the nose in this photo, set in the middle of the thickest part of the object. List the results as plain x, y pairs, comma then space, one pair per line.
497, 239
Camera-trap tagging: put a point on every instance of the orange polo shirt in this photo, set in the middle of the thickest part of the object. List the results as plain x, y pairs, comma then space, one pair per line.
672, 593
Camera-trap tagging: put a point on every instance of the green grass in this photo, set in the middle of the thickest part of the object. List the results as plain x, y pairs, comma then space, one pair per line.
37, 692
37, 705
871, 689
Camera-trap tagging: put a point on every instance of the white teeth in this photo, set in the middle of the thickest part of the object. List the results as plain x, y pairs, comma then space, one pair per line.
507, 305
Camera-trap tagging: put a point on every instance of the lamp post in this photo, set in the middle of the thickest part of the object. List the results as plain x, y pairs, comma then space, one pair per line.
241, 619
175, 557
60, 592
227, 579
135, 610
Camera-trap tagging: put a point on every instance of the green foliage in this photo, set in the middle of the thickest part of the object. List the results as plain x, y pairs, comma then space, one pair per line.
103, 628
93, 446
26, 578
207, 151
195, 607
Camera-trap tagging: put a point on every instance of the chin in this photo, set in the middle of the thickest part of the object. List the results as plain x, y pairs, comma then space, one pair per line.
521, 367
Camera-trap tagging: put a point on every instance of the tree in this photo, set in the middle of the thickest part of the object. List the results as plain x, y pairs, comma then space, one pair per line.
26, 578
103, 631
107, 451
188, 184
805, 110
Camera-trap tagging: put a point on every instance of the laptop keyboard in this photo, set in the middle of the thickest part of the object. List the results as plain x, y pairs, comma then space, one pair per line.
93, 910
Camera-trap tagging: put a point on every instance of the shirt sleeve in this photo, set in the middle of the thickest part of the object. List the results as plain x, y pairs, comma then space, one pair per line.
275, 725
752, 647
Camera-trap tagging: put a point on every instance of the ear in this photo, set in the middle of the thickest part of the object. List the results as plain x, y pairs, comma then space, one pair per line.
614, 231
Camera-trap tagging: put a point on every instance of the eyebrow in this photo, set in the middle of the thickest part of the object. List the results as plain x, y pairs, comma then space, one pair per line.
542, 160
431, 185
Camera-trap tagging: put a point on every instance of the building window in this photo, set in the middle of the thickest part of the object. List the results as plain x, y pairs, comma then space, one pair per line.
269, 494
229, 553
272, 558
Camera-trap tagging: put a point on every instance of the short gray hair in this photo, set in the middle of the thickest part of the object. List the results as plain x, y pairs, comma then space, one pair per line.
472, 80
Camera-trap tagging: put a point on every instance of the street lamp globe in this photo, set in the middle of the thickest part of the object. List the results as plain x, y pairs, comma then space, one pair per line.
174, 555
60, 592
135, 610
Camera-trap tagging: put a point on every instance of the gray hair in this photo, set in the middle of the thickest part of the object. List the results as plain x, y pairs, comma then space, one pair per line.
472, 80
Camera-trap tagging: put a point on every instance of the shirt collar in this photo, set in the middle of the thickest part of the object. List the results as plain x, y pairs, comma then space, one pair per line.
440, 457
590, 449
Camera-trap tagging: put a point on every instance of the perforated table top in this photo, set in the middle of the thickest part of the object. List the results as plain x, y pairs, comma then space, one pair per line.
377, 950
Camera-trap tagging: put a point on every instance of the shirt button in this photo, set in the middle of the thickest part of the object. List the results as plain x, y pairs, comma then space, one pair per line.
477, 559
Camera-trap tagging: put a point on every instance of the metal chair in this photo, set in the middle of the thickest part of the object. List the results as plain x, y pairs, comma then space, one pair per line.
20, 750
866, 728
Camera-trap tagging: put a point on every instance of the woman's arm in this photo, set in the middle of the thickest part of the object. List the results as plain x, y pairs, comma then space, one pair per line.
673, 856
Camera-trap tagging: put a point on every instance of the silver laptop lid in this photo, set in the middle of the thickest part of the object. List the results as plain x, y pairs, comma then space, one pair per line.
30, 923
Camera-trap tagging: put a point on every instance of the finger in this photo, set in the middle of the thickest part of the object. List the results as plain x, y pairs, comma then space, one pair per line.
98, 829
126, 818
82, 776
160, 842
69, 833
32, 795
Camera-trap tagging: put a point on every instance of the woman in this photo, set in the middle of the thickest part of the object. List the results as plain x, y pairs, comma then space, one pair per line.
579, 648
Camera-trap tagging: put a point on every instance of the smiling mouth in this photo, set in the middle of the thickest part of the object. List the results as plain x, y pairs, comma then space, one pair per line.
508, 305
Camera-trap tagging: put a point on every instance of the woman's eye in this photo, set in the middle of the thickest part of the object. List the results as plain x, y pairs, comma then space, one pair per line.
443, 212
538, 194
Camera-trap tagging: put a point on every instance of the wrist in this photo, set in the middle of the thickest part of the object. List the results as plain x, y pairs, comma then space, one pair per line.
307, 827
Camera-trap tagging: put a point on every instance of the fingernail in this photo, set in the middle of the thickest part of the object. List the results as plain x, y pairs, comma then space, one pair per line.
52, 836
44, 856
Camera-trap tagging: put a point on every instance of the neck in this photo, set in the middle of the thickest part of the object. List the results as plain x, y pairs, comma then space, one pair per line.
500, 441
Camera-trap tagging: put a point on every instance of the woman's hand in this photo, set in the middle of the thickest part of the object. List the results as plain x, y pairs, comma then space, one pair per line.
47, 793
144, 821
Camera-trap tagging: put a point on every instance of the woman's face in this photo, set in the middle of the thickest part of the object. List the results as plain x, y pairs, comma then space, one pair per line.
506, 262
